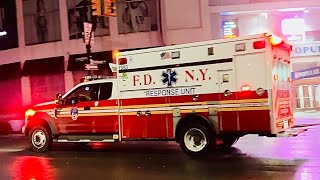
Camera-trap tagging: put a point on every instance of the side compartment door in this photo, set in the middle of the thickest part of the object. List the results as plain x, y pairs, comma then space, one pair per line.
156, 118
142, 118
226, 80
132, 119
227, 118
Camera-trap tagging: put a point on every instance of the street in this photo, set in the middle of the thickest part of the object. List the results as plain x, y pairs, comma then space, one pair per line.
252, 157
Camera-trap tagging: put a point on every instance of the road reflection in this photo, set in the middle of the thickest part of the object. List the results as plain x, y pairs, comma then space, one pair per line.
32, 168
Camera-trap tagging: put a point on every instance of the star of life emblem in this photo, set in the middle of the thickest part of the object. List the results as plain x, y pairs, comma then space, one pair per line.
169, 77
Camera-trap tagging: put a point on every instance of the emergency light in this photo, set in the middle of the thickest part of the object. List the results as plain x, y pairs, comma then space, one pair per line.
245, 88
122, 61
274, 40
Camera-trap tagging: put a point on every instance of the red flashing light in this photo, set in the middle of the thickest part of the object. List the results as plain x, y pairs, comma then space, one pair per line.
122, 61
245, 88
274, 40
259, 44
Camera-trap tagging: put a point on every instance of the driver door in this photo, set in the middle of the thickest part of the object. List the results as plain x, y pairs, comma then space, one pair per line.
75, 115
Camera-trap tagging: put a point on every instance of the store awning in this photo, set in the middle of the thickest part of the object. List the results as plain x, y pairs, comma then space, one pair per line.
52, 65
10, 71
77, 61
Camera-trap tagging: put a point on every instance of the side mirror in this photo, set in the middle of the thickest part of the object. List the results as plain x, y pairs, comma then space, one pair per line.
58, 99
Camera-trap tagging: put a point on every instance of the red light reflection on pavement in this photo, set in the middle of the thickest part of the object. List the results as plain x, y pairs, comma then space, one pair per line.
97, 146
32, 168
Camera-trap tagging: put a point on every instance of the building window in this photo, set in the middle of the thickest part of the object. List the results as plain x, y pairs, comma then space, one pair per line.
8, 25
298, 97
41, 21
79, 13
105, 91
317, 95
137, 16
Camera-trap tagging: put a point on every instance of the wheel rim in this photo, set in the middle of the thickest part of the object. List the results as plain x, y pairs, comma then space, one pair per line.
39, 139
195, 140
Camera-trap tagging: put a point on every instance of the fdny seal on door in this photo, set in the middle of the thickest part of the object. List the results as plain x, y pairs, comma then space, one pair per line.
74, 114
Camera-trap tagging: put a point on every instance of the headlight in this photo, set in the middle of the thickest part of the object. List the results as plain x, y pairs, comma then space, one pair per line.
29, 113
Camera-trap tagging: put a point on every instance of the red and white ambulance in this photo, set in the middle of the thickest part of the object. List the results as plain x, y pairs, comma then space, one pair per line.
202, 95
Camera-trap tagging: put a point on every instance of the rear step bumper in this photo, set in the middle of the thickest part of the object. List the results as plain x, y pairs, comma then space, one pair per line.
292, 132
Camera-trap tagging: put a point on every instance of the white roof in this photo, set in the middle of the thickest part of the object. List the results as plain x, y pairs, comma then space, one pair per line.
202, 43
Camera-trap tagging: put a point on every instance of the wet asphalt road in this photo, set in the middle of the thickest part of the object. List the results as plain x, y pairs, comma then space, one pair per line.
252, 157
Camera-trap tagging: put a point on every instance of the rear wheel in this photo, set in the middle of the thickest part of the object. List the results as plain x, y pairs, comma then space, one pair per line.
196, 139
40, 139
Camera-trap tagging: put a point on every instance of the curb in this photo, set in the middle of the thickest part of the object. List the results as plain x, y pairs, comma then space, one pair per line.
305, 125
11, 135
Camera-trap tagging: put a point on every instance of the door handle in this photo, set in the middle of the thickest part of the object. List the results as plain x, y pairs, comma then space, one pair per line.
56, 112
227, 93
148, 113
195, 98
87, 108
139, 113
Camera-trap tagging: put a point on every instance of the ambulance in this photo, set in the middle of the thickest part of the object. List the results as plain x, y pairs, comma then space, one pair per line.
203, 95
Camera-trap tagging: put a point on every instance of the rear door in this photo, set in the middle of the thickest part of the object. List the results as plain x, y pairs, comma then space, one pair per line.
281, 95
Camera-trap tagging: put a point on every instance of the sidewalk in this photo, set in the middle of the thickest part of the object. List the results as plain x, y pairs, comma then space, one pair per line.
307, 118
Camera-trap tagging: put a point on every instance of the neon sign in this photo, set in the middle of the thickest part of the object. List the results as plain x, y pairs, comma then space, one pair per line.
230, 29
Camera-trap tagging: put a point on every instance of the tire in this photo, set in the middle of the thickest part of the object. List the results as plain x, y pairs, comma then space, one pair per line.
196, 139
40, 139
228, 141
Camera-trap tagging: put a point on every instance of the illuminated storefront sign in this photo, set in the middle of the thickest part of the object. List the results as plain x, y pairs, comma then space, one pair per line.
230, 28
308, 73
293, 29
312, 49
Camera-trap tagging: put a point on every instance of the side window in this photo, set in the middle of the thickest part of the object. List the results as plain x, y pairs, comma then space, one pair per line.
105, 91
82, 94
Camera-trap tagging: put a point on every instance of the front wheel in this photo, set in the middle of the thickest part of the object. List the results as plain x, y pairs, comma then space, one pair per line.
40, 139
196, 139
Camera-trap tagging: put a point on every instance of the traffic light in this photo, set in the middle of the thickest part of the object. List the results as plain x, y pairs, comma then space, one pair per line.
110, 8
96, 7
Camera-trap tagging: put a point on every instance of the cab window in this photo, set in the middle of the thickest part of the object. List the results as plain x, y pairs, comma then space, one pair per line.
105, 91
82, 94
